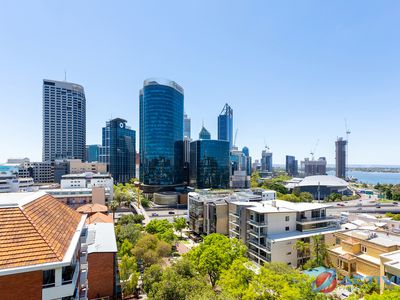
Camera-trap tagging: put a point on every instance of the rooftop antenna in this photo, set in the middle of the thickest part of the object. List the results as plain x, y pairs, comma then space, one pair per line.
65, 75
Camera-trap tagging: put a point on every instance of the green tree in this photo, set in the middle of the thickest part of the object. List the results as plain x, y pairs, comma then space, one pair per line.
158, 226
279, 281
235, 281
306, 197
179, 224
130, 232
151, 275
149, 249
125, 249
129, 274
113, 206
388, 294
180, 281
128, 219
303, 251
319, 249
215, 254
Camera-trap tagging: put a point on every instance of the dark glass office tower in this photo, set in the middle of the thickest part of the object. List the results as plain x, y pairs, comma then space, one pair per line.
64, 120
291, 165
92, 153
341, 145
209, 164
161, 133
225, 125
119, 150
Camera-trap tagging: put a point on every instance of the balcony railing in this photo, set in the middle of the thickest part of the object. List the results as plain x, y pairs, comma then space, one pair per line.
327, 218
257, 224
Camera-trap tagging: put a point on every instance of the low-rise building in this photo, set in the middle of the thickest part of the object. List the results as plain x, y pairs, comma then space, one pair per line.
43, 250
102, 260
10, 183
89, 180
359, 252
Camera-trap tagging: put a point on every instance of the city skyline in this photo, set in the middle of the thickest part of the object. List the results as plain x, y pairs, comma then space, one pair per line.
284, 94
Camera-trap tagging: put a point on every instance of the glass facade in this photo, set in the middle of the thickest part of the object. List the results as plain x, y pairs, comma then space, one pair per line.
209, 164
291, 165
225, 125
119, 150
92, 153
161, 133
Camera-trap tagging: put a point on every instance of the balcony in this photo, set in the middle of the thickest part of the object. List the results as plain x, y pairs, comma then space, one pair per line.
315, 220
257, 224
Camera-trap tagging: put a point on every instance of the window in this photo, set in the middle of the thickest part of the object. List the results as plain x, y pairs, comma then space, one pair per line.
363, 249
67, 274
289, 253
287, 228
49, 278
287, 218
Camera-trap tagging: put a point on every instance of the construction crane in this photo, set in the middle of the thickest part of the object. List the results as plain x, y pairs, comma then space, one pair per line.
312, 152
347, 130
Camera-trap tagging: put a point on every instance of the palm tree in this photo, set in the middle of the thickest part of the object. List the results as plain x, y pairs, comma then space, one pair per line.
113, 206
303, 248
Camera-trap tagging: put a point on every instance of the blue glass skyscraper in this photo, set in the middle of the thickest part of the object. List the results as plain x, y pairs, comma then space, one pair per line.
161, 133
209, 164
225, 125
119, 150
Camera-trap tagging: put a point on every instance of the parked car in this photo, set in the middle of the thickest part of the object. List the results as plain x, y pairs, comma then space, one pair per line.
171, 212
154, 214
396, 203
340, 204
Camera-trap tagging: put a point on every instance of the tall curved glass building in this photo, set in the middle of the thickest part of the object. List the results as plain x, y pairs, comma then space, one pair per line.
161, 133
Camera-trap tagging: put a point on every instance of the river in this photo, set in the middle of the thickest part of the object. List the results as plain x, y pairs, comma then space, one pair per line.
373, 177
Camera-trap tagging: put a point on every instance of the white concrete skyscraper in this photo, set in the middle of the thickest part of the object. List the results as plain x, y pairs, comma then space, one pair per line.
64, 120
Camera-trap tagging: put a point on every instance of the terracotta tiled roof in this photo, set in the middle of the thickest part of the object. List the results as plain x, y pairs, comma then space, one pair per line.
92, 208
37, 232
99, 218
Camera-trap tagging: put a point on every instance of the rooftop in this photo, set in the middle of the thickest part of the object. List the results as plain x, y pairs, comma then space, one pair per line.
101, 238
99, 218
377, 237
271, 206
290, 235
92, 208
324, 180
35, 228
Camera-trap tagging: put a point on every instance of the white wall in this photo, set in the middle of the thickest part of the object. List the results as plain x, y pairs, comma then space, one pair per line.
277, 222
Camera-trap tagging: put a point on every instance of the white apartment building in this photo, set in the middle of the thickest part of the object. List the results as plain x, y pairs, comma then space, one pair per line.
9, 183
89, 180
270, 229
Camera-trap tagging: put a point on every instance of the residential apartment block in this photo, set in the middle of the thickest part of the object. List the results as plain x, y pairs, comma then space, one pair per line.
270, 229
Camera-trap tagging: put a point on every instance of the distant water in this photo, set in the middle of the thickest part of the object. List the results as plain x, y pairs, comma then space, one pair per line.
373, 177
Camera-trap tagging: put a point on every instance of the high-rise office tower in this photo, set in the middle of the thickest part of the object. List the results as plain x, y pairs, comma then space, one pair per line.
247, 160
119, 150
266, 161
186, 126
341, 146
161, 133
291, 165
225, 125
209, 164
64, 120
204, 134
92, 153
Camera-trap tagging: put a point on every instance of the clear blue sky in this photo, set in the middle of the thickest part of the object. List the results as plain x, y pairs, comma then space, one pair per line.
291, 70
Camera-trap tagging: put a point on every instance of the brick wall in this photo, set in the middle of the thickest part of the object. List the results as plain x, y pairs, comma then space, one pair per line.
101, 274
21, 286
